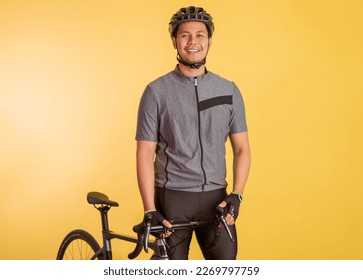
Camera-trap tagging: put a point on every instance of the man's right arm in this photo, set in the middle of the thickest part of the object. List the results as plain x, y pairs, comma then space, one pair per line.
145, 175
145, 172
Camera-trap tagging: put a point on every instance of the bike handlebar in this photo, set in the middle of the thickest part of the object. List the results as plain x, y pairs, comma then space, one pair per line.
139, 245
144, 229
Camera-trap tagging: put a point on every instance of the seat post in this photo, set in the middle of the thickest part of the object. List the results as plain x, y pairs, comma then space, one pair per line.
104, 217
105, 231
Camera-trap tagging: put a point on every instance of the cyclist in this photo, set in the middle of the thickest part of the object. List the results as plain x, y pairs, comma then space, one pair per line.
184, 120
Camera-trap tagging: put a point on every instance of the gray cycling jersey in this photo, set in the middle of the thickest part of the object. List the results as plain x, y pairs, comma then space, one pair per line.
190, 119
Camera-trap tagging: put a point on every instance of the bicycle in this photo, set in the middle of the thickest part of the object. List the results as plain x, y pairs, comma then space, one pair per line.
79, 244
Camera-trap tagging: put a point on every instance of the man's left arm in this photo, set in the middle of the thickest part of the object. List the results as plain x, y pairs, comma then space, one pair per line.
241, 168
241, 160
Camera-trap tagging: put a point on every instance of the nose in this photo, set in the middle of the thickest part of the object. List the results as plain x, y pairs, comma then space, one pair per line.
192, 40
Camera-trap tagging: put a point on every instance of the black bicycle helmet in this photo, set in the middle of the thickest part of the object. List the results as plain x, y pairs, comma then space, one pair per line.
191, 14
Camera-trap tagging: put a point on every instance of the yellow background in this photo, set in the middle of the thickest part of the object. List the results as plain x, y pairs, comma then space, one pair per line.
71, 76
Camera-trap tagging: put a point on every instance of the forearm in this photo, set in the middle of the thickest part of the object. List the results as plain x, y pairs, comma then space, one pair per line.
241, 168
241, 161
145, 174
146, 185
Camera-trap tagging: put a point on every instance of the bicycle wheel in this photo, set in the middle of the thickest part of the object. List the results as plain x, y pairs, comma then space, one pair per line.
78, 245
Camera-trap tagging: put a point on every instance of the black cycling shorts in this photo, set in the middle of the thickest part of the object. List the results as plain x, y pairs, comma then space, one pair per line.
180, 206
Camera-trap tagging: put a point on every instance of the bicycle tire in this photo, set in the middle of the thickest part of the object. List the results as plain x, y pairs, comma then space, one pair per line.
78, 245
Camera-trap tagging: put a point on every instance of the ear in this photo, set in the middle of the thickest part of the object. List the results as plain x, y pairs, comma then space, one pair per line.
210, 41
174, 41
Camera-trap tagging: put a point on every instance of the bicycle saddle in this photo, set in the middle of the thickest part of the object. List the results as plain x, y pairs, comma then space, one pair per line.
100, 198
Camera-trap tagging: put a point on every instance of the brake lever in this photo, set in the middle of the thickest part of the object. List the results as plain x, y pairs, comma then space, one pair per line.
222, 219
147, 227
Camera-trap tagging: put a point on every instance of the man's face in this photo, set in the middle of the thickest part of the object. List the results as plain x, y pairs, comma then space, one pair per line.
192, 41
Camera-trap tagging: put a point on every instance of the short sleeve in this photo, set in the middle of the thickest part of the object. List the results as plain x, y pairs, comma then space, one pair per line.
238, 121
147, 118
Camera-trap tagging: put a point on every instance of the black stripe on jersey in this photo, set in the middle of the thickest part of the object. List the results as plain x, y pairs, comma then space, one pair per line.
215, 101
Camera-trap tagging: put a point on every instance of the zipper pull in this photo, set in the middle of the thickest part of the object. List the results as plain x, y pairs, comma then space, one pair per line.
195, 81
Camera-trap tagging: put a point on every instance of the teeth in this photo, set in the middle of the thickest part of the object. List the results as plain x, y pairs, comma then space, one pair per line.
192, 50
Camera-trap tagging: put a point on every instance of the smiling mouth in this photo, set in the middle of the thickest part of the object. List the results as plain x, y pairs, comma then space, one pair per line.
192, 51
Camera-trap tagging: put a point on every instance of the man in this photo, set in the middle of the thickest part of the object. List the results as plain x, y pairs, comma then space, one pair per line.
185, 117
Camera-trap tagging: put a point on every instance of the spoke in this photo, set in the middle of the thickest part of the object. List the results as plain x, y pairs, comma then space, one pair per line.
78, 250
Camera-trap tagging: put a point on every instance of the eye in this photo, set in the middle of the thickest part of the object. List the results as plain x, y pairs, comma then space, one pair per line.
200, 35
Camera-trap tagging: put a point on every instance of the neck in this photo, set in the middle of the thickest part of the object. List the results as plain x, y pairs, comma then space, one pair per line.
191, 72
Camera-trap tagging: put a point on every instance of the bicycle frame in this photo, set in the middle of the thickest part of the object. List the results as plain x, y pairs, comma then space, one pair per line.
158, 246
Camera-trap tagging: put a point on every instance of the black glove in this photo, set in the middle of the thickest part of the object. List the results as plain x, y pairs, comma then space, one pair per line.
233, 201
151, 218
156, 217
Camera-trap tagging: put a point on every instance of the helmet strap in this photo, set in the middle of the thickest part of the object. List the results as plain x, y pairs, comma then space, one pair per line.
196, 65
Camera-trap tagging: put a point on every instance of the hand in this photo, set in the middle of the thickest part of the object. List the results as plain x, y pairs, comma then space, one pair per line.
157, 218
151, 218
233, 202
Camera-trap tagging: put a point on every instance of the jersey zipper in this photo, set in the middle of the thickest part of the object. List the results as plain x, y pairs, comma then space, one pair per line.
200, 133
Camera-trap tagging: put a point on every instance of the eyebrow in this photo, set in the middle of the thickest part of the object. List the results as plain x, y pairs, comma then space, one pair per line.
198, 31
